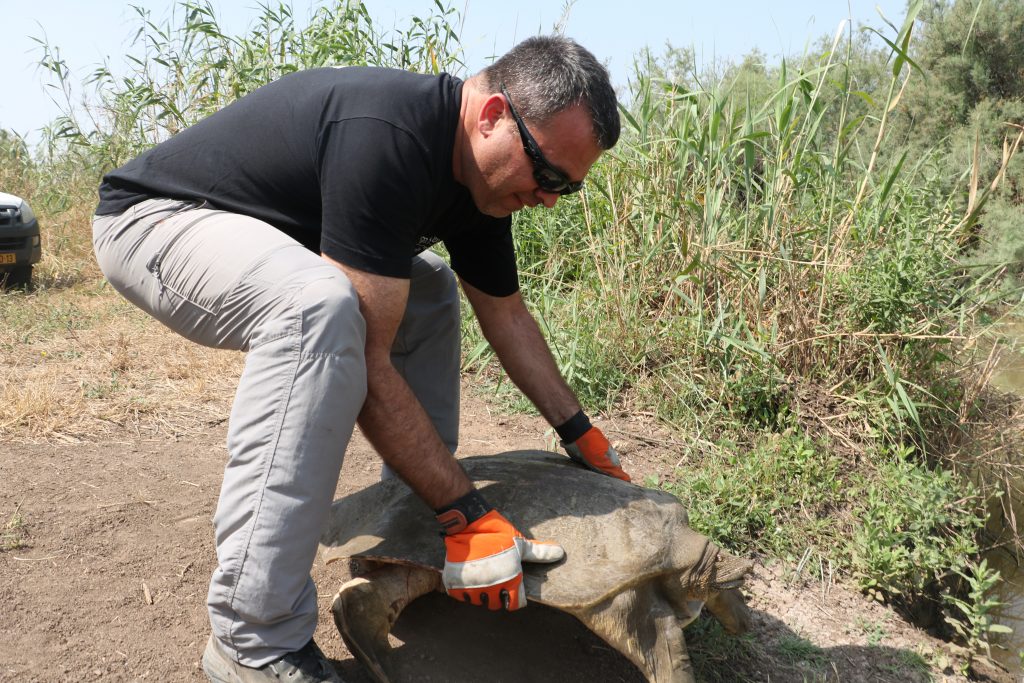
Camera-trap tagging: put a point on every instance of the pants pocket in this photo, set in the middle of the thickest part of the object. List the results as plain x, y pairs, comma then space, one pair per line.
180, 266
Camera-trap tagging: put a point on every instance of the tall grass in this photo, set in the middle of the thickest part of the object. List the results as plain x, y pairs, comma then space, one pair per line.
758, 260
740, 257
184, 67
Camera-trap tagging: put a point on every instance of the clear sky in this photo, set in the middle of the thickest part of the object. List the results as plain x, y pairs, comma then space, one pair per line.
88, 32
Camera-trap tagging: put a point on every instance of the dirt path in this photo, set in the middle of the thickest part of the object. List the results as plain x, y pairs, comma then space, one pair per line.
116, 550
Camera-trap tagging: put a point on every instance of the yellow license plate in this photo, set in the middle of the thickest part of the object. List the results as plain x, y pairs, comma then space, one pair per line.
7, 259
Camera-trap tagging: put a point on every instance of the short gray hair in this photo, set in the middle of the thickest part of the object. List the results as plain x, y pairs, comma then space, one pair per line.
545, 75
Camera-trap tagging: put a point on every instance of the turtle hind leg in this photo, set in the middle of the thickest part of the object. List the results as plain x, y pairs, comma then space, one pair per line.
366, 608
641, 624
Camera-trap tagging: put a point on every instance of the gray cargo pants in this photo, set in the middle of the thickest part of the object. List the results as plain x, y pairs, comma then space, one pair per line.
234, 282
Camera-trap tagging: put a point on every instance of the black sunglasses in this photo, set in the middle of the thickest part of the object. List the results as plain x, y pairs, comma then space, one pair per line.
547, 176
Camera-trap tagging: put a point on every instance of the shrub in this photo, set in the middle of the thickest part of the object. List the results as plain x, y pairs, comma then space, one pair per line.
914, 525
773, 499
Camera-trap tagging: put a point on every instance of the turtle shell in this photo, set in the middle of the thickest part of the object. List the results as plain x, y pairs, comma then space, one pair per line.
615, 534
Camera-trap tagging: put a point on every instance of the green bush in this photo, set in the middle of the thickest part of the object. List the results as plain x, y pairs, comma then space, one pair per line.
901, 284
900, 531
1001, 242
773, 499
754, 394
914, 524
972, 615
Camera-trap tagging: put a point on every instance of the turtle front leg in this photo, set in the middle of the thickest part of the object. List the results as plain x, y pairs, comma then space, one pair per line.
641, 624
714, 580
731, 610
366, 608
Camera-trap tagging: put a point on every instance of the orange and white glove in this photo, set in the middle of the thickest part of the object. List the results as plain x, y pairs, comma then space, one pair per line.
593, 451
483, 563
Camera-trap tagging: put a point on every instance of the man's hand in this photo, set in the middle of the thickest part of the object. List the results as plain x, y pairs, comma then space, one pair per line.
483, 565
593, 451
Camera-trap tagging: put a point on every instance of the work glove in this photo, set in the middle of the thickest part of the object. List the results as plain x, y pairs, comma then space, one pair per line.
484, 555
593, 451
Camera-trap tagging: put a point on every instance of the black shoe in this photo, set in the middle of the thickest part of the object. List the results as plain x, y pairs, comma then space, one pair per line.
306, 665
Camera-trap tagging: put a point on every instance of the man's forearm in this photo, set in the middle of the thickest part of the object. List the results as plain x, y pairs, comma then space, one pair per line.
524, 353
392, 419
526, 357
402, 433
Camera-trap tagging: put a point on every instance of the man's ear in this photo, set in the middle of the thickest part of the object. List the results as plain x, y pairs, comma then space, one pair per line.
492, 110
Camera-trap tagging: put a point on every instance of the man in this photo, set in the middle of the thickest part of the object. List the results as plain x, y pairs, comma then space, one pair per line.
292, 224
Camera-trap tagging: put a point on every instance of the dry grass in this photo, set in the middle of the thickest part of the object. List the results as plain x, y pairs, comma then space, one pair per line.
123, 371
14, 534
79, 362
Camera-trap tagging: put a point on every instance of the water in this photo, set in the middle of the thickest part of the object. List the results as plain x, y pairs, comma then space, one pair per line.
1009, 376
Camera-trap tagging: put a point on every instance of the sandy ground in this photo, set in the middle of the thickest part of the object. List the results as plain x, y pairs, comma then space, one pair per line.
109, 581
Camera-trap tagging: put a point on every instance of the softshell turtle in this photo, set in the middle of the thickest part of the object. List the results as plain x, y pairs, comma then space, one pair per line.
634, 572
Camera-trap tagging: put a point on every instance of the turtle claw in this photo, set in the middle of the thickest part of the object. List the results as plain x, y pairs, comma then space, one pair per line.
366, 608
362, 619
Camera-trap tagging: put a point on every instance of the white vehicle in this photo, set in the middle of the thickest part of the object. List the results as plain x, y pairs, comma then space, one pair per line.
20, 246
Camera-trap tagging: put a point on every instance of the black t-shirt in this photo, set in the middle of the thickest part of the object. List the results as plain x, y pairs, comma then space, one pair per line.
354, 162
